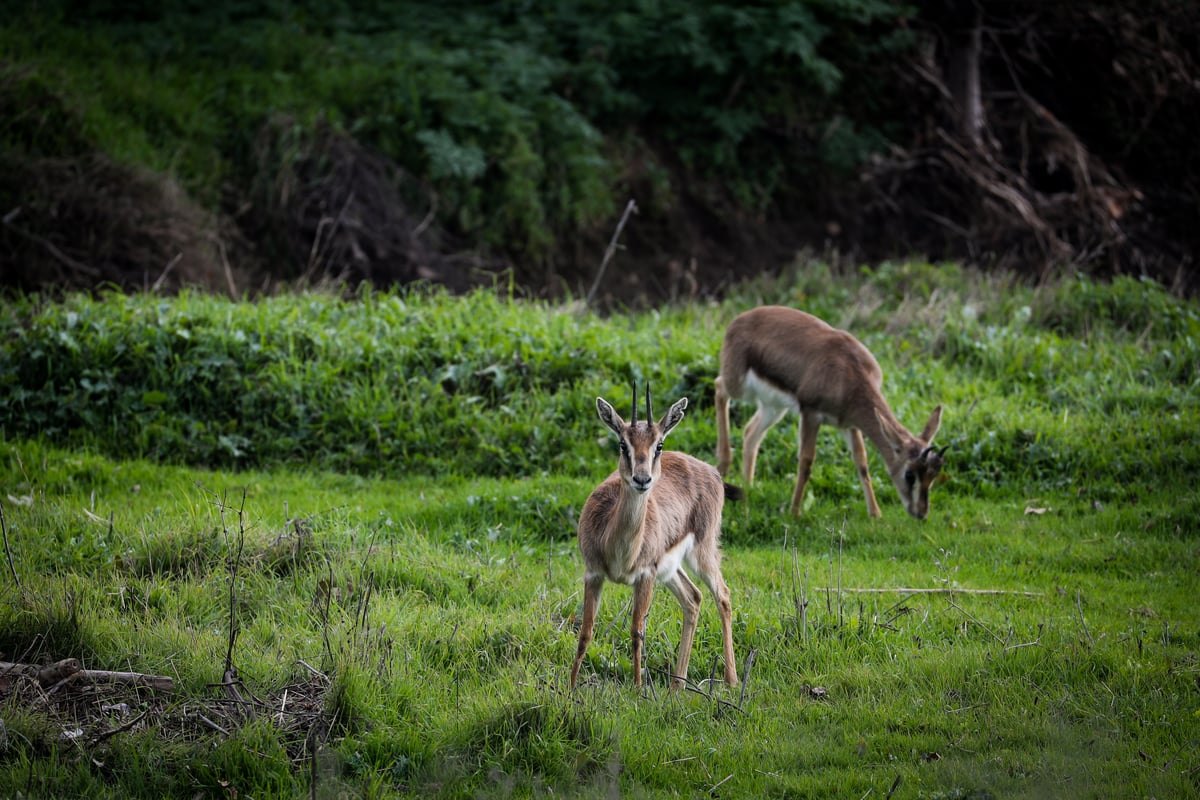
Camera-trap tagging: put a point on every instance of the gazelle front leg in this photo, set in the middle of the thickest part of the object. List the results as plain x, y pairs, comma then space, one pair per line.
809, 425
643, 592
858, 451
592, 585
724, 448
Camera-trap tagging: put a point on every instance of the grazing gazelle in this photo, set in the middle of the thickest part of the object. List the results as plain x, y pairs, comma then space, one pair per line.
788, 360
658, 511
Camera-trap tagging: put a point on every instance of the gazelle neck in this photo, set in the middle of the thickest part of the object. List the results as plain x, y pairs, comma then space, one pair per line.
629, 514
872, 423
625, 533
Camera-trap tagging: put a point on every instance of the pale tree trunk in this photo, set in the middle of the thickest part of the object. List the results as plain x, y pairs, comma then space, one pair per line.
966, 44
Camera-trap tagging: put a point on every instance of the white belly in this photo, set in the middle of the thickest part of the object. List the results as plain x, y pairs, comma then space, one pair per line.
669, 564
767, 394
773, 399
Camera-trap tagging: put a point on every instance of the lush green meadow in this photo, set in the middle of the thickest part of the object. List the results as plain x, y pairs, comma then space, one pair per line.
366, 507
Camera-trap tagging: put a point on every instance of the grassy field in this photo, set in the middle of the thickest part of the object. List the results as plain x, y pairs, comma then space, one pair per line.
345, 529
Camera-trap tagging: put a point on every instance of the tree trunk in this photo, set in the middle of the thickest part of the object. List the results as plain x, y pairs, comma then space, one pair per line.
966, 44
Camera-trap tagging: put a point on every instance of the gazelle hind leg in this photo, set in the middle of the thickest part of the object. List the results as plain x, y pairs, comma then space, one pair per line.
809, 425
689, 598
708, 567
858, 451
752, 436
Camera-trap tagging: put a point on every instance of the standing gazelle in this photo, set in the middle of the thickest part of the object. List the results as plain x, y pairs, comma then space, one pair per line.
658, 511
788, 360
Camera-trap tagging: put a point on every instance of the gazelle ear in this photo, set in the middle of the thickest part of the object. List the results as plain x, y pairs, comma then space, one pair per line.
609, 416
674, 416
888, 432
931, 427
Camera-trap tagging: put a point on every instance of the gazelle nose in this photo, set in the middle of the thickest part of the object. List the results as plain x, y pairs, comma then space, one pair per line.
641, 482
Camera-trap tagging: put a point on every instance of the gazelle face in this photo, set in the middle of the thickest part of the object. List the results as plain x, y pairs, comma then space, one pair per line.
641, 443
914, 475
916, 466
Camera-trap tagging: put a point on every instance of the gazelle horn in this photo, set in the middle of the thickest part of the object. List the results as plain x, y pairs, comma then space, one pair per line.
649, 408
633, 419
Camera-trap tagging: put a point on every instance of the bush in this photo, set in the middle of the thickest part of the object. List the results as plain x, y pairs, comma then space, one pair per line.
397, 382
524, 127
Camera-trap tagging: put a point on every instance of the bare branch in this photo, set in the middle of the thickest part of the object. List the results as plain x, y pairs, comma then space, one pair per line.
631, 208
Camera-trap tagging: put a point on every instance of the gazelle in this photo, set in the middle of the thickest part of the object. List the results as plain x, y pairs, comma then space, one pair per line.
658, 511
787, 360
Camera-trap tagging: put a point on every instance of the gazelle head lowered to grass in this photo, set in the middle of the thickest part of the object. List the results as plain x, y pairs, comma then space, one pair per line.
660, 510
914, 462
787, 360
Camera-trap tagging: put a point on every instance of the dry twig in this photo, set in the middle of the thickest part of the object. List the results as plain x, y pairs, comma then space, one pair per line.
7, 550
631, 208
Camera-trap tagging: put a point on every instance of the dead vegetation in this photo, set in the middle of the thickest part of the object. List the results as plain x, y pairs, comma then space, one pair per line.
343, 214
87, 707
87, 221
992, 175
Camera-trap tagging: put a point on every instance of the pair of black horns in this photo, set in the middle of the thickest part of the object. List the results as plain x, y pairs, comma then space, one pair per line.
649, 408
938, 451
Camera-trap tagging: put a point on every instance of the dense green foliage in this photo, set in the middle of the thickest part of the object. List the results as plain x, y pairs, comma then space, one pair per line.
526, 122
409, 633
389, 383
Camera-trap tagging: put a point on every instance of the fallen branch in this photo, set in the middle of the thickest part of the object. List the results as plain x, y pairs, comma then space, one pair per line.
70, 671
209, 723
45, 676
161, 683
901, 590
100, 737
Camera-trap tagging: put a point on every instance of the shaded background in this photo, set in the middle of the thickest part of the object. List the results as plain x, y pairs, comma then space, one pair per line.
244, 146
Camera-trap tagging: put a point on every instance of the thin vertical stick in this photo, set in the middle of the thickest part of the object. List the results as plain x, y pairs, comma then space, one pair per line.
631, 208
829, 585
1082, 621
746, 677
804, 607
7, 550
799, 593
235, 560
841, 538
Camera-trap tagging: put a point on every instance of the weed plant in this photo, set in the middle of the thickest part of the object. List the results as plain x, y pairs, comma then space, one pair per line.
390, 569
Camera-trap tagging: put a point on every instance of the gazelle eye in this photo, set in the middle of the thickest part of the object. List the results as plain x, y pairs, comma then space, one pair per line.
658, 449
909, 477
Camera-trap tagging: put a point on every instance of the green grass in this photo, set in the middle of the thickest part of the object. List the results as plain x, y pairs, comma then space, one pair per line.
415, 638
